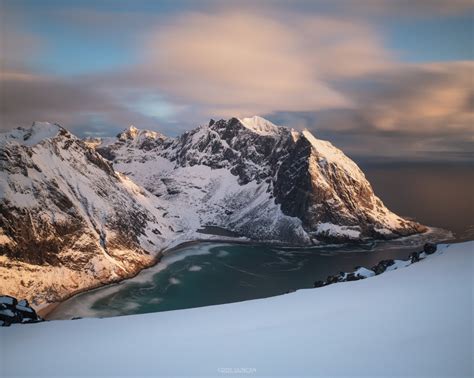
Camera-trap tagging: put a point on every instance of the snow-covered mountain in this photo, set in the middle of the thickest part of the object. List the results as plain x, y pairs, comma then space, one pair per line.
78, 214
257, 179
68, 220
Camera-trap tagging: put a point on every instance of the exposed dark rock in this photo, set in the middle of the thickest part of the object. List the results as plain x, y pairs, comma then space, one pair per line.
107, 153
99, 161
414, 257
353, 277
331, 280
382, 266
429, 248
8, 300
293, 186
13, 311
319, 283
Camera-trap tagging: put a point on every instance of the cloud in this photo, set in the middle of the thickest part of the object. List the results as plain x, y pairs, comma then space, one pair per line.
238, 63
16, 46
407, 111
329, 71
419, 98
27, 97
424, 8
380, 9
330, 74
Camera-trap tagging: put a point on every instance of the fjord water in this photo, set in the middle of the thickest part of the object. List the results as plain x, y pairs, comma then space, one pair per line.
214, 273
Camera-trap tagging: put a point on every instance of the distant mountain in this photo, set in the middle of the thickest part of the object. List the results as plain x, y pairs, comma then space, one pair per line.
257, 179
78, 214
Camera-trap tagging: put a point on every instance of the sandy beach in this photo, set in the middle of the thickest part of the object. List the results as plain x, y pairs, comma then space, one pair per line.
45, 309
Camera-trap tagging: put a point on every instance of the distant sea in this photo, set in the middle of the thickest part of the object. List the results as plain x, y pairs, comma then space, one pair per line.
434, 194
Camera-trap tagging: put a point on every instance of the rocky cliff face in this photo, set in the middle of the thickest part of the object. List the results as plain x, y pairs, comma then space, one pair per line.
68, 220
280, 184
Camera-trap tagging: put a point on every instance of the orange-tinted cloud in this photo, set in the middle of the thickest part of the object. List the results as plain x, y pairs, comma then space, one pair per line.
252, 63
420, 98
331, 73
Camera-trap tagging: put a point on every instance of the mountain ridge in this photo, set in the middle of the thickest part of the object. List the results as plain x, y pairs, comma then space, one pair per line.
326, 178
77, 214
67, 218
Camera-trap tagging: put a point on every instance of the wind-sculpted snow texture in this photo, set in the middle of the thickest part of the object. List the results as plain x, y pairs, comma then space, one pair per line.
260, 180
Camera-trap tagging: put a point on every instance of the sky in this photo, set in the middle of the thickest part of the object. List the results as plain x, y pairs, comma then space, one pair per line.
385, 80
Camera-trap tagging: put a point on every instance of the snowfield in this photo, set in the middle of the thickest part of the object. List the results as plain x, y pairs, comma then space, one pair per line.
412, 321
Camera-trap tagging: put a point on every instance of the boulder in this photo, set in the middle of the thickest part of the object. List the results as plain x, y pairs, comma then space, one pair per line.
414, 257
14, 311
429, 248
23, 303
353, 277
319, 283
382, 266
8, 300
331, 280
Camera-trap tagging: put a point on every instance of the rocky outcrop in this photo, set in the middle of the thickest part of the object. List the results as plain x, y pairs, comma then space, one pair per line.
383, 266
14, 311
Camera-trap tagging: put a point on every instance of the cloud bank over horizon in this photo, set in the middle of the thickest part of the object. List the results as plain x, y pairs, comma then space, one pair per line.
316, 65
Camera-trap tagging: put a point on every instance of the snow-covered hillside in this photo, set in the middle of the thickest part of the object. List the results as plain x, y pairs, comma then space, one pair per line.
68, 221
257, 179
414, 321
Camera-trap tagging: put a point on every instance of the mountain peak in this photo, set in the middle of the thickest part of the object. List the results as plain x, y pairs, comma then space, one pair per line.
133, 133
260, 125
40, 131
132, 130
328, 152
36, 133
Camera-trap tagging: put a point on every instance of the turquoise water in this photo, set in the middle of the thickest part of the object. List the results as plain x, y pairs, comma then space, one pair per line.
214, 273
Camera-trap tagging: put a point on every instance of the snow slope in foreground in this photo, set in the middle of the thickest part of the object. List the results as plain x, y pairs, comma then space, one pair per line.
412, 321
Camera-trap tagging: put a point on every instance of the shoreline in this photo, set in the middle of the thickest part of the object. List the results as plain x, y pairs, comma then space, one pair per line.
45, 309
